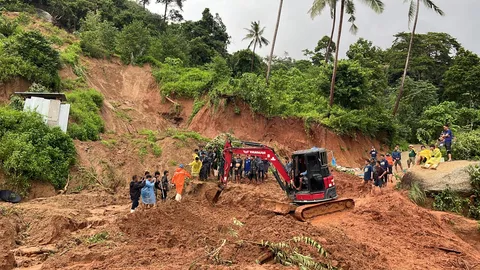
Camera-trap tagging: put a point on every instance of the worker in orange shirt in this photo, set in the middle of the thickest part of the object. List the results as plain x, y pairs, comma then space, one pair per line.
179, 181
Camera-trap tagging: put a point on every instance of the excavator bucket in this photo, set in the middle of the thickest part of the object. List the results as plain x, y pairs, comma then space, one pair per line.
217, 196
309, 211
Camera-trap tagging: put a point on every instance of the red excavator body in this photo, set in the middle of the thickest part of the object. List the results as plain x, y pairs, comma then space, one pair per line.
308, 183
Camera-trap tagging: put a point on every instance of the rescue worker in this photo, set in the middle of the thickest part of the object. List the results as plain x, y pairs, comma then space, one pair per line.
179, 181
433, 162
196, 167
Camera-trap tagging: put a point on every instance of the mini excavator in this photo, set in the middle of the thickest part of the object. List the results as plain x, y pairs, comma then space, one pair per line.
310, 186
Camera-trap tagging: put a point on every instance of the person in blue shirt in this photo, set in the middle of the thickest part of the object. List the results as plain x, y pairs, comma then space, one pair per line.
373, 153
367, 172
384, 164
397, 158
246, 167
447, 137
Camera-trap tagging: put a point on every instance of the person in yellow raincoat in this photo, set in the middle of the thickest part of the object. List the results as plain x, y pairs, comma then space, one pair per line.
424, 155
179, 181
196, 166
433, 162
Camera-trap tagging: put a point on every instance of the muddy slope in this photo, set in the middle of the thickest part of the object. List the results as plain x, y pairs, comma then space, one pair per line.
289, 133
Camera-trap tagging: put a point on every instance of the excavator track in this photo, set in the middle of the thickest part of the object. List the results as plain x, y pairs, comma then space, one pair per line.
309, 211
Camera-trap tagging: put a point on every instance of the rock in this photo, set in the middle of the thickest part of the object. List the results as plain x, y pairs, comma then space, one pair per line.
454, 174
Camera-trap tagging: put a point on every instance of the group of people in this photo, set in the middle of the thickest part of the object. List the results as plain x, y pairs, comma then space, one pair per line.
379, 171
252, 168
205, 163
148, 188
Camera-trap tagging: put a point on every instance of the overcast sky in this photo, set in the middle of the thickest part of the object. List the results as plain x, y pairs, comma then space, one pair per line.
298, 31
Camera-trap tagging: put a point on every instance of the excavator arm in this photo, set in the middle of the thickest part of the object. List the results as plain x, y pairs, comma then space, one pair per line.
253, 149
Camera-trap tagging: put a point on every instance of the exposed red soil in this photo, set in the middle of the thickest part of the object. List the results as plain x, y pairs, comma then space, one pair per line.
12, 86
382, 232
288, 134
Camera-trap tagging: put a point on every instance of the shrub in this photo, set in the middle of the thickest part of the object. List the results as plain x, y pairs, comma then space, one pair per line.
417, 194
132, 42
97, 37
71, 54
467, 145
30, 55
84, 113
30, 150
474, 203
448, 200
185, 82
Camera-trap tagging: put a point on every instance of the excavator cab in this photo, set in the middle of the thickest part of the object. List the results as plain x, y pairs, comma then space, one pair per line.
311, 176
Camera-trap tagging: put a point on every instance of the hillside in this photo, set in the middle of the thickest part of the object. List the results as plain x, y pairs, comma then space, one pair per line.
145, 91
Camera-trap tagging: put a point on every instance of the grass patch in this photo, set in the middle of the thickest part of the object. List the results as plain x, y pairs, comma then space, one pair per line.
98, 238
109, 143
417, 194
123, 115
184, 135
197, 106
85, 114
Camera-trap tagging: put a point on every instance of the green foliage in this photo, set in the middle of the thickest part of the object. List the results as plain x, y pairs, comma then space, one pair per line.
30, 150
169, 44
71, 55
7, 27
467, 145
29, 55
197, 106
185, 82
98, 238
435, 117
417, 194
448, 200
318, 55
16, 103
38, 88
184, 135
97, 37
289, 253
132, 42
462, 80
474, 203
85, 114
432, 54
241, 62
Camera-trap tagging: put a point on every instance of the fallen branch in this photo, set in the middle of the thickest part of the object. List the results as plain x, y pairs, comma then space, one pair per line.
35, 250
265, 257
446, 249
209, 255
172, 101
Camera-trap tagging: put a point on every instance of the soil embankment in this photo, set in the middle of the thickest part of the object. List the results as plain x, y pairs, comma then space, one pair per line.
285, 134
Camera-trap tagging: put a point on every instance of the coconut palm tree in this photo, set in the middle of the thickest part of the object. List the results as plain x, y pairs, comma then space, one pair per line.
315, 11
255, 35
167, 3
413, 16
348, 6
274, 40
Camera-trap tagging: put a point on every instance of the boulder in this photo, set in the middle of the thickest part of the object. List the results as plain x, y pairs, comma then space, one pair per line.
454, 174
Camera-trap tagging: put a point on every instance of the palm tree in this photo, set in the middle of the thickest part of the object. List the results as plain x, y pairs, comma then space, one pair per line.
255, 34
349, 5
316, 10
274, 40
179, 3
413, 15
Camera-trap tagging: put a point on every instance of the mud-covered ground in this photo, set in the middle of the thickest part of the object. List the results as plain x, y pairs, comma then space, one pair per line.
382, 232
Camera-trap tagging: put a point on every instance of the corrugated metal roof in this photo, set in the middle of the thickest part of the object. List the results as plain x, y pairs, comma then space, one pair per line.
59, 96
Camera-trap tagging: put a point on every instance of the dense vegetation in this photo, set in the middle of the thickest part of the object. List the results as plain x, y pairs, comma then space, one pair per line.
31, 150
191, 59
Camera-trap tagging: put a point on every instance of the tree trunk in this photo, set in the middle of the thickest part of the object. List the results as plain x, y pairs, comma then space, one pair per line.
334, 75
274, 40
253, 54
165, 14
400, 91
331, 34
